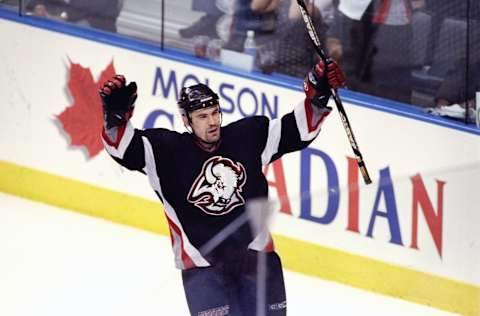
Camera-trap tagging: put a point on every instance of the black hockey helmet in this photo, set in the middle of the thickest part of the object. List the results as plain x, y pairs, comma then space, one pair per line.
196, 97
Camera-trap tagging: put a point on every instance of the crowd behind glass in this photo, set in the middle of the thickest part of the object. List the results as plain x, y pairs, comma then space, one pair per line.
420, 52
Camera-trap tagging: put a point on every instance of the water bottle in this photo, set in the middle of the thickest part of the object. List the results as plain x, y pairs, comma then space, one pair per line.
250, 47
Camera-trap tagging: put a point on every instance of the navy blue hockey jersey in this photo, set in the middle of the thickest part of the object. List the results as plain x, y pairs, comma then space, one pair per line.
203, 192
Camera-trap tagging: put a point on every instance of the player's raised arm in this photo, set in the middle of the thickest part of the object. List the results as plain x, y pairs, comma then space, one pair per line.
316, 86
295, 130
118, 134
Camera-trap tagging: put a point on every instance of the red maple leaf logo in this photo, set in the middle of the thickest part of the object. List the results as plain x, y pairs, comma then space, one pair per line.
83, 120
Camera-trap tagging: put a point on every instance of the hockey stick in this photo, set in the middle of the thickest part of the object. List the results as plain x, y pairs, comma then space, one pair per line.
341, 110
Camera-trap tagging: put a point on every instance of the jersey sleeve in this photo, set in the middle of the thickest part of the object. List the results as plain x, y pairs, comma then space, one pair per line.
125, 144
294, 131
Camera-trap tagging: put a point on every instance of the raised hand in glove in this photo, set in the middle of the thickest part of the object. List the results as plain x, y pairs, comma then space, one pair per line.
118, 100
320, 79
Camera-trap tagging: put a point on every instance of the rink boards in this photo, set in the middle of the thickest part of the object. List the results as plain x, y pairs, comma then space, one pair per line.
412, 233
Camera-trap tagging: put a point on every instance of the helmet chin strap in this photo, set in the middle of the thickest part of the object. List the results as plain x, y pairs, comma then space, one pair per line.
188, 128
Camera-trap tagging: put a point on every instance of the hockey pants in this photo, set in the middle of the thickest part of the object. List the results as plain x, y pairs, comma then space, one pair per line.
230, 287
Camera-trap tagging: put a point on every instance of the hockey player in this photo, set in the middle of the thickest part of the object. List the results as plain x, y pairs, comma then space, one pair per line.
205, 176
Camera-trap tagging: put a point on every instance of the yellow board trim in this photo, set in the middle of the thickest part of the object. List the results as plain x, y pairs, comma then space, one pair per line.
307, 258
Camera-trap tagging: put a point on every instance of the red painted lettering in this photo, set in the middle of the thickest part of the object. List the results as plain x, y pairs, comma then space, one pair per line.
434, 221
279, 185
353, 195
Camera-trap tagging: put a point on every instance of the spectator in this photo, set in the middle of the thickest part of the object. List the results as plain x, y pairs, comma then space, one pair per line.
371, 39
442, 9
101, 14
294, 51
257, 15
207, 24
280, 34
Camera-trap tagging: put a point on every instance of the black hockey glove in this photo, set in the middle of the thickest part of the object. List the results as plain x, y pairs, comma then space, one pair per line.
319, 80
118, 100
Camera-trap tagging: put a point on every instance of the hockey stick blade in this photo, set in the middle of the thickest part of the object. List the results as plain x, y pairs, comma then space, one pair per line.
341, 110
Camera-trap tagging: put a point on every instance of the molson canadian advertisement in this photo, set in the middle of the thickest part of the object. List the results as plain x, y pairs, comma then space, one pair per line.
413, 233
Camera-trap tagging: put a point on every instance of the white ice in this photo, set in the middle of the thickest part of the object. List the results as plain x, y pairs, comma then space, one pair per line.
55, 262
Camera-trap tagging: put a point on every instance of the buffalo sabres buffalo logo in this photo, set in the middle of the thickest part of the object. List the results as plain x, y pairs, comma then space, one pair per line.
216, 191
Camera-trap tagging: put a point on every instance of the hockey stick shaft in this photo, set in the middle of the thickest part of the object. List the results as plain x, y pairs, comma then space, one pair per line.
341, 110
